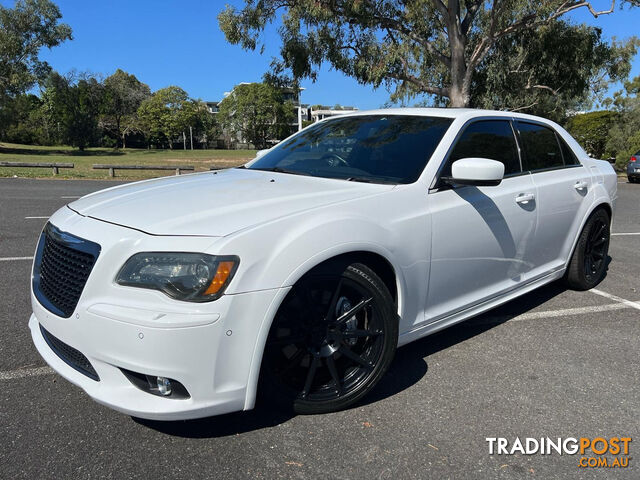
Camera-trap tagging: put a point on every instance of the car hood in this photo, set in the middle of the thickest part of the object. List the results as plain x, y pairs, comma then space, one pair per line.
216, 203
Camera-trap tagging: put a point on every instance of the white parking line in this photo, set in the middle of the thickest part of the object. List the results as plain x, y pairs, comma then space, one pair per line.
11, 259
632, 233
621, 300
555, 313
71, 196
25, 372
32, 218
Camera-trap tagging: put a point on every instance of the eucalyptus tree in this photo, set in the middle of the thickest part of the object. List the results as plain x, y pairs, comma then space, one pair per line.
412, 46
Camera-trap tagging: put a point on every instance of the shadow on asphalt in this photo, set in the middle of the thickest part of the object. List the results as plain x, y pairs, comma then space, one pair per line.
408, 368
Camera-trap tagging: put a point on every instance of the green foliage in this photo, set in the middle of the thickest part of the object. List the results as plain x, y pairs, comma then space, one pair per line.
557, 68
423, 47
24, 31
256, 113
624, 135
73, 106
166, 116
160, 115
591, 130
123, 95
19, 119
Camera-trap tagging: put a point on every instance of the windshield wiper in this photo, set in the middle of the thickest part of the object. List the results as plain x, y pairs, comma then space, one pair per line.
371, 180
359, 179
281, 170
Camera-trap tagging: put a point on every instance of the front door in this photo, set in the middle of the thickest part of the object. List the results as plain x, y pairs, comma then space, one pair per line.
481, 236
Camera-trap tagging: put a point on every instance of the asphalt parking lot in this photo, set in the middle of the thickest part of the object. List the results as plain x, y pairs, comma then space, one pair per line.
553, 363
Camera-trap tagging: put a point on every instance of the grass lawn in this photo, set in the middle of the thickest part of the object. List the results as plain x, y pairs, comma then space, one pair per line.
200, 159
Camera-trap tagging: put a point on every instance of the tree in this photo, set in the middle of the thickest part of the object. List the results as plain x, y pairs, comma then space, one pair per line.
557, 68
417, 46
624, 135
74, 106
123, 95
256, 112
168, 113
24, 31
591, 130
20, 120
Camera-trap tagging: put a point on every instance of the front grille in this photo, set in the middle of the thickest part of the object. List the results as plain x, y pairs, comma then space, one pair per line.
61, 269
70, 355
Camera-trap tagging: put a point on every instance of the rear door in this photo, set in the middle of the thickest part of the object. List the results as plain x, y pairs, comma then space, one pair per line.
481, 236
562, 185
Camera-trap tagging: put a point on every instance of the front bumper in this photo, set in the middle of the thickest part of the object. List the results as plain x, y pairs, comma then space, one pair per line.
213, 349
212, 361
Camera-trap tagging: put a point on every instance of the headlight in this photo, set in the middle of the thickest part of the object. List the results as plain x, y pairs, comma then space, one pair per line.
192, 277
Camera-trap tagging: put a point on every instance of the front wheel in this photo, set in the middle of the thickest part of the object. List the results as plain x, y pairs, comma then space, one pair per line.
331, 341
589, 261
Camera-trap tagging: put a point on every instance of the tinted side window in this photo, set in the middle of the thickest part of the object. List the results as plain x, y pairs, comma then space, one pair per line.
540, 145
491, 139
568, 155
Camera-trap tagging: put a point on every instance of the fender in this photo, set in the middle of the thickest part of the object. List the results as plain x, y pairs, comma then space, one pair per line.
600, 198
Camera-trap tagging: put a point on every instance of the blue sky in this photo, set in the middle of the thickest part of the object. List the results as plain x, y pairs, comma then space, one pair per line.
167, 42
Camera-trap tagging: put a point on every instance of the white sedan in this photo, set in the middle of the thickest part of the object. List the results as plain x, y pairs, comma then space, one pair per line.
298, 274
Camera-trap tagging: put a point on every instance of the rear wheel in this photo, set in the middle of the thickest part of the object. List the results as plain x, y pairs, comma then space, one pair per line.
331, 341
589, 262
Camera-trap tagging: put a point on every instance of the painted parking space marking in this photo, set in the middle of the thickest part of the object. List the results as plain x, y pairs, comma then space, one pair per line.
26, 372
13, 259
33, 218
565, 312
621, 234
615, 298
71, 196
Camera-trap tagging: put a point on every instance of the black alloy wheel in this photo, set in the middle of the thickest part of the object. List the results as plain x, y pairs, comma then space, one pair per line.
332, 339
596, 248
588, 264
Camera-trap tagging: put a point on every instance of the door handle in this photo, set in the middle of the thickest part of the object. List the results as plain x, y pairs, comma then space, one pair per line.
525, 198
581, 185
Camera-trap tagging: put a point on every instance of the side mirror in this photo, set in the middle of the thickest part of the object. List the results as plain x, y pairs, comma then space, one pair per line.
481, 172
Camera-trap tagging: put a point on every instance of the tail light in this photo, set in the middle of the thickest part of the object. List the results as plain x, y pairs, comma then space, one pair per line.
633, 159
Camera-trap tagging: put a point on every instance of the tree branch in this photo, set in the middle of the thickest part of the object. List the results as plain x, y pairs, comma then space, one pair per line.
526, 23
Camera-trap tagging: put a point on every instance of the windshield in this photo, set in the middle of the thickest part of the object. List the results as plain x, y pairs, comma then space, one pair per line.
371, 148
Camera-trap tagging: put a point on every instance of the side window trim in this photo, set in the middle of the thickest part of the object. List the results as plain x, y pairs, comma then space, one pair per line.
516, 137
518, 121
437, 186
564, 146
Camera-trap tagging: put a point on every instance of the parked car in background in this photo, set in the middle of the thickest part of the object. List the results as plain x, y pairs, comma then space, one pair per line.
301, 272
633, 168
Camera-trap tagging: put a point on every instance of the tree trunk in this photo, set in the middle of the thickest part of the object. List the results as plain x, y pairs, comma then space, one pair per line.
459, 90
124, 140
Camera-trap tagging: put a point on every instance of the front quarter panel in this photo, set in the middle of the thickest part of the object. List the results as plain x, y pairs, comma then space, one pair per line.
393, 224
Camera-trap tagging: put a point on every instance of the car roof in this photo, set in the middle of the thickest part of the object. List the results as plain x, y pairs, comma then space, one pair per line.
465, 113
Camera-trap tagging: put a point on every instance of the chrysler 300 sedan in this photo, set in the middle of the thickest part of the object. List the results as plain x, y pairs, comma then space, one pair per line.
297, 275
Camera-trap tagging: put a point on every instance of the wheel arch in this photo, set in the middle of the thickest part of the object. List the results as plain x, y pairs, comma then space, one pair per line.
600, 204
372, 256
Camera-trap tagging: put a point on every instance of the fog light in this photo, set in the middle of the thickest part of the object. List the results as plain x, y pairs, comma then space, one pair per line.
164, 386
169, 388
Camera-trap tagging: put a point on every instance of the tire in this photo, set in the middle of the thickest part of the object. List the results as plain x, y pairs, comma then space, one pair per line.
331, 341
588, 264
